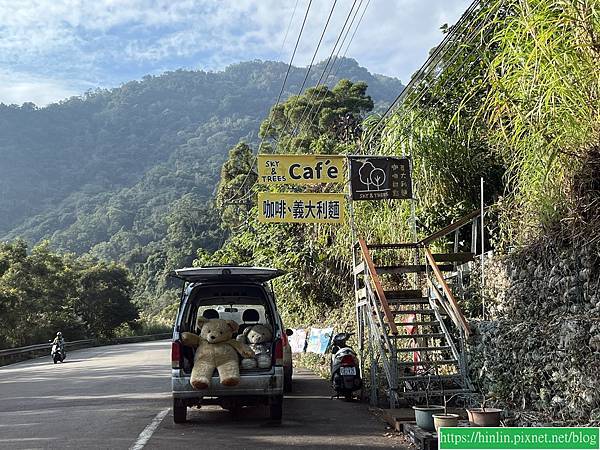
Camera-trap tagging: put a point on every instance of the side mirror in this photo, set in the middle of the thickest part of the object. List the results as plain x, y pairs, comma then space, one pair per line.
289, 332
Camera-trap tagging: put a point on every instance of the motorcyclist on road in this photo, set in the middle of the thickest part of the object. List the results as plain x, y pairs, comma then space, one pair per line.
60, 341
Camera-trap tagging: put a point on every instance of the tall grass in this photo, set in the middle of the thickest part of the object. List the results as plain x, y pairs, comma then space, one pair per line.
543, 105
517, 104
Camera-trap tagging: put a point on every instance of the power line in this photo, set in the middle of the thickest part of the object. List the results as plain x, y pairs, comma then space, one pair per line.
326, 66
317, 49
426, 67
351, 37
320, 102
449, 61
430, 63
336, 59
276, 103
287, 119
288, 69
288, 28
343, 56
460, 72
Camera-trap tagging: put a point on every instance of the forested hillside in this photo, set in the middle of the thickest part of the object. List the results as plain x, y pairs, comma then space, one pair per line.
128, 174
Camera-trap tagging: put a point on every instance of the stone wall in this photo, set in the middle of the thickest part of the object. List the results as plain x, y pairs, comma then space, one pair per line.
538, 351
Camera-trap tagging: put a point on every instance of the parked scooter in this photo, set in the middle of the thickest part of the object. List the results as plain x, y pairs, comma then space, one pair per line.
345, 371
58, 353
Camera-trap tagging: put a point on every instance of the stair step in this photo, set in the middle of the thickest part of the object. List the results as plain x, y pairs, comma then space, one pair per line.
392, 246
408, 301
439, 362
433, 378
427, 311
405, 293
415, 336
423, 349
460, 257
405, 268
435, 393
360, 268
419, 323
410, 268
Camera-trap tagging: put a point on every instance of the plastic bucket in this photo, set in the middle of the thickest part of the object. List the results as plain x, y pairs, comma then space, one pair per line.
424, 416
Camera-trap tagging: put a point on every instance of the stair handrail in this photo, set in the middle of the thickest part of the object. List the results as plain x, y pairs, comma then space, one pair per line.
464, 220
459, 318
372, 272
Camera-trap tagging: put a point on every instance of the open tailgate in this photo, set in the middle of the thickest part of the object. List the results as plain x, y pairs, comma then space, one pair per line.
228, 274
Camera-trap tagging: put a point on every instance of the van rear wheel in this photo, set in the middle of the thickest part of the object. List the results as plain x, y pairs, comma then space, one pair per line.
276, 408
179, 411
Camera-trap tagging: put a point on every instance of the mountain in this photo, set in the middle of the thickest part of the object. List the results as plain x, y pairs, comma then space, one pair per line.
107, 173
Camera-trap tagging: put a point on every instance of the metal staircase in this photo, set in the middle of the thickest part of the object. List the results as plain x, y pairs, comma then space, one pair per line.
411, 329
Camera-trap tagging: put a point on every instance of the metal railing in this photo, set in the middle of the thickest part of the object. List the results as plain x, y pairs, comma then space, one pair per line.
37, 347
371, 274
451, 306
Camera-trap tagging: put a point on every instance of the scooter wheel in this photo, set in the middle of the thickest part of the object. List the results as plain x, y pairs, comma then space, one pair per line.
348, 397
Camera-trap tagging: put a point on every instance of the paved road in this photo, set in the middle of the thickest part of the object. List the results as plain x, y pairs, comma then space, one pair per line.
106, 397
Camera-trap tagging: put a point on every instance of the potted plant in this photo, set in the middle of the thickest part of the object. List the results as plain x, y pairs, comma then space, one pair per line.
484, 417
445, 419
424, 413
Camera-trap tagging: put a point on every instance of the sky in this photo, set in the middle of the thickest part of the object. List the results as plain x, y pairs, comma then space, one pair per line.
54, 49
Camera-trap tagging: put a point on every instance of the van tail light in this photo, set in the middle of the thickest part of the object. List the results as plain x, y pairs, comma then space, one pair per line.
176, 355
284, 339
347, 360
278, 354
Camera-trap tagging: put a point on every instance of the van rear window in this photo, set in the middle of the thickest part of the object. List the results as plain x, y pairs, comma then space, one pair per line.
246, 305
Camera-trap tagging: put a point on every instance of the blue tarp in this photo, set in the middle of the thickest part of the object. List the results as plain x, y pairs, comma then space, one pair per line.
318, 340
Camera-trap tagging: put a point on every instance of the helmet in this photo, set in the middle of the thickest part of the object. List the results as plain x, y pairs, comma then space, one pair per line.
59, 334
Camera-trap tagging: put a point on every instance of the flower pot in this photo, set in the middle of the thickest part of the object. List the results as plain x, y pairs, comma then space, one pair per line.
424, 416
445, 420
488, 417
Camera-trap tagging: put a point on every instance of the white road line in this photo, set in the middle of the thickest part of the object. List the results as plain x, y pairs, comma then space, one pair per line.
145, 435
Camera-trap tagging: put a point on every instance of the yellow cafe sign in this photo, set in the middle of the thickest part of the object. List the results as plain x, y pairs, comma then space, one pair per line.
294, 207
300, 169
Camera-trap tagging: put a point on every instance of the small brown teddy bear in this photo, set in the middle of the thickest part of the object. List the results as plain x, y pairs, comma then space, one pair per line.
216, 349
259, 338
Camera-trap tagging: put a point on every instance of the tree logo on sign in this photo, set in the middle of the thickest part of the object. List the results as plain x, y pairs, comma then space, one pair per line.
372, 177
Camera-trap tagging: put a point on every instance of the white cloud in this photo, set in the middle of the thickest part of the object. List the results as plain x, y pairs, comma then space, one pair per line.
104, 42
406, 31
21, 88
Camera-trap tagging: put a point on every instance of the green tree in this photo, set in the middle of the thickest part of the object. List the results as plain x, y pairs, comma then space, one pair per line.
320, 120
37, 291
104, 300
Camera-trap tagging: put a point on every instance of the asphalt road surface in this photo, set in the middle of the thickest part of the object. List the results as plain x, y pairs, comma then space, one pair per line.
118, 397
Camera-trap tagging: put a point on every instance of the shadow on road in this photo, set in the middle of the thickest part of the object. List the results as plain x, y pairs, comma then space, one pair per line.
311, 419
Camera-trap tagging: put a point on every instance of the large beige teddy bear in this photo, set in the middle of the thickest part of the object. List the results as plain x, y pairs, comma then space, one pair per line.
215, 348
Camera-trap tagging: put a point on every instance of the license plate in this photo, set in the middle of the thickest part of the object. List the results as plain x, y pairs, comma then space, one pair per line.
347, 371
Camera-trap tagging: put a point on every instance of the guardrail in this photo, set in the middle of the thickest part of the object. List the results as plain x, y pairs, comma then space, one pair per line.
11, 355
45, 346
